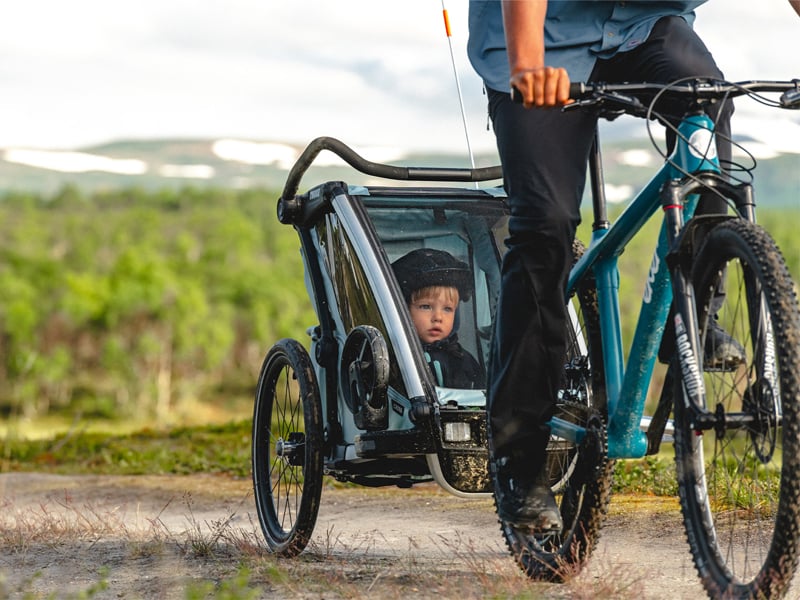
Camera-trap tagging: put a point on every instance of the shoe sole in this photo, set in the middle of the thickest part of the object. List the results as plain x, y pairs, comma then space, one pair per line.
540, 525
723, 366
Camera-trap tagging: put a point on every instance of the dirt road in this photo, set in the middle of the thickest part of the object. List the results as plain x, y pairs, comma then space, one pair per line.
150, 536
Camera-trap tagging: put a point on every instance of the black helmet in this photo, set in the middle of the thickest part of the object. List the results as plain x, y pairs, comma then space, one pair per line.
427, 267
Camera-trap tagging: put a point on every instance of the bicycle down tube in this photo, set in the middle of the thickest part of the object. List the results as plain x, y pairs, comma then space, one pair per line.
627, 386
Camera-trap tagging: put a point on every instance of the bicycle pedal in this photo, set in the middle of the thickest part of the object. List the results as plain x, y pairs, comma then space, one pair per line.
531, 530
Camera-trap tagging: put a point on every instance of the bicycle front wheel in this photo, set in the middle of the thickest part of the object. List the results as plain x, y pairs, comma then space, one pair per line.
739, 483
287, 454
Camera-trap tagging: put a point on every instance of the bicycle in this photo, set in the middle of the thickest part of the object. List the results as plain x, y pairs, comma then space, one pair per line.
736, 425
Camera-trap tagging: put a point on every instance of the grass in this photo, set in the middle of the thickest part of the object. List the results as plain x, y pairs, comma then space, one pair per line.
207, 449
652, 475
225, 449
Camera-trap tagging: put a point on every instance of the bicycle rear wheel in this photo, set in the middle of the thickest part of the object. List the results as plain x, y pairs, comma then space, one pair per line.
580, 475
739, 486
287, 455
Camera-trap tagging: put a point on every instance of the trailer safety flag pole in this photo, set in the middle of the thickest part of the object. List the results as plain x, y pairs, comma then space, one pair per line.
458, 84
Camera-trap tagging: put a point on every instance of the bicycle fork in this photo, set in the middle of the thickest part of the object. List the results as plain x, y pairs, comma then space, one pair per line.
688, 347
689, 355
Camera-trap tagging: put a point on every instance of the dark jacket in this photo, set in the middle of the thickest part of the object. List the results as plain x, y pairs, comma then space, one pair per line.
452, 366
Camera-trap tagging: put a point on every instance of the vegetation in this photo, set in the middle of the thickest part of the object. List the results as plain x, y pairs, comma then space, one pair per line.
136, 308
223, 449
139, 307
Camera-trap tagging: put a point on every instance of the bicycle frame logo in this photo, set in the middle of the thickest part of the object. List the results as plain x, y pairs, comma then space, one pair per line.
651, 277
770, 368
702, 144
691, 373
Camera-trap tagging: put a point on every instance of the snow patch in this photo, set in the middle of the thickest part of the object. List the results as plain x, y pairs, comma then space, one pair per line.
74, 162
284, 156
255, 153
187, 171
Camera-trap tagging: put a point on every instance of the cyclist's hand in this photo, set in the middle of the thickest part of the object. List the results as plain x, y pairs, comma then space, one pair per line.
542, 87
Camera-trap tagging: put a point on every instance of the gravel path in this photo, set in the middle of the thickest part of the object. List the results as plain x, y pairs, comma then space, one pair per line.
156, 535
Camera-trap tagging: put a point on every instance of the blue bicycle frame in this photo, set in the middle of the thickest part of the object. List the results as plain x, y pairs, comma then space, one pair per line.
627, 387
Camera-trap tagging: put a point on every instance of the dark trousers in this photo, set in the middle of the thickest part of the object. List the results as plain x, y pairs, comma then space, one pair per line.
544, 154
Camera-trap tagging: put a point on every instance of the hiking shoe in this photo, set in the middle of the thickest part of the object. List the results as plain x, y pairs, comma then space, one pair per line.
721, 352
525, 504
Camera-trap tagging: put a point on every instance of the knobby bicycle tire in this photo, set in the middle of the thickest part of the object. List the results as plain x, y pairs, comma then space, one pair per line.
581, 476
739, 488
287, 448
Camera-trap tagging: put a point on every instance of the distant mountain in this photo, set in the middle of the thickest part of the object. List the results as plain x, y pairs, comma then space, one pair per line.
178, 163
171, 163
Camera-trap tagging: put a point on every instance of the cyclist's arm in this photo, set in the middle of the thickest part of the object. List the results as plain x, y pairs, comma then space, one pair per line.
539, 84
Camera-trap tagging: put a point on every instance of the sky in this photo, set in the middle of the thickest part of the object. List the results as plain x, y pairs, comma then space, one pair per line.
372, 73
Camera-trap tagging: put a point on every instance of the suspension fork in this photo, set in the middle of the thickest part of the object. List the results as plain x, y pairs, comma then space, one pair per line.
687, 336
686, 316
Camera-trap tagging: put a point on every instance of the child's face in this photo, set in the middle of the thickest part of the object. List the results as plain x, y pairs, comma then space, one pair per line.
433, 311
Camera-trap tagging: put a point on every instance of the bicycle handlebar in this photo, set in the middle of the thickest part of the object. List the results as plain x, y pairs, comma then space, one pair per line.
630, 97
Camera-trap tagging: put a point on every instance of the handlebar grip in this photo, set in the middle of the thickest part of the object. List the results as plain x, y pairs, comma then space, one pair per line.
577, 89
790, 99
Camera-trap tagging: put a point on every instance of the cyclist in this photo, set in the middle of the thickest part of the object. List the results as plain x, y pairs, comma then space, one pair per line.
433, 282
544, 154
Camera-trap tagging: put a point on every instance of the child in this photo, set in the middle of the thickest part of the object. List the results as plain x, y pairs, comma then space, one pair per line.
433, 282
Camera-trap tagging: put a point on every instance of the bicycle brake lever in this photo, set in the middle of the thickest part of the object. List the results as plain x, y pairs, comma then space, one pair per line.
579, 104
604, 103
632, 104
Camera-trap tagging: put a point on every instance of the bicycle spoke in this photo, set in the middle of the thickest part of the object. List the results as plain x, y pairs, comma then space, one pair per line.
287, 424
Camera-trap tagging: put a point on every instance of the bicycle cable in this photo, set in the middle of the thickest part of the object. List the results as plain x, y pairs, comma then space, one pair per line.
729, 167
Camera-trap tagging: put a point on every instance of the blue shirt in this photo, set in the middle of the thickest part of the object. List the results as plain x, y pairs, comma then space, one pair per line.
576, 33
